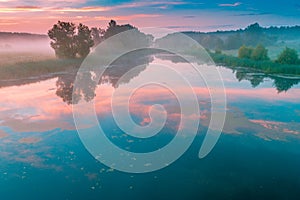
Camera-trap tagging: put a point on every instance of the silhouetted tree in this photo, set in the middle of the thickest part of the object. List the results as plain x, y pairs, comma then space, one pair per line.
97, 35
136, 38
288, 56
67, 43
84, 40
63, 38
114, 29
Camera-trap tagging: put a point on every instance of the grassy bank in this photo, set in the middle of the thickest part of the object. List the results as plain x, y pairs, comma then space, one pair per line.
268, 67
29, 69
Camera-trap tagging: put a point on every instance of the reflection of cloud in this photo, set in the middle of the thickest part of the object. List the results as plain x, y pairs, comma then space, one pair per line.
3, 134
29, 140
277, 130
253, 14
33, 108
268, 124
230, 5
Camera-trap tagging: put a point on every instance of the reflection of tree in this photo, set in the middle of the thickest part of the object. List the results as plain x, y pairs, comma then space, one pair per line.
256, 80
283, 84
253, 78
171, 57
129, 66
85, 88
126, 67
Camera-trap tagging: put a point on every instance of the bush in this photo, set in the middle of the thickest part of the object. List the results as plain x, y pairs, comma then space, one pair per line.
218, 51
288, 56
260, 53
245, 52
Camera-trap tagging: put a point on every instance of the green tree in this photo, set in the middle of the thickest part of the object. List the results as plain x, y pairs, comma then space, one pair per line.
84, 40
260, 53
245, 52
63, 42
288, 56
69, 41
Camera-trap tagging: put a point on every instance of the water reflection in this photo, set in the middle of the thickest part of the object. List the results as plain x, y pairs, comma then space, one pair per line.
65, 87
281, 83
131, 64
38, 137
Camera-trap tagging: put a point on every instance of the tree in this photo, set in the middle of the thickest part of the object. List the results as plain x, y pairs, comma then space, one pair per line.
260, 53
134, 39
245, 52
68, 41
288, 56
114, 29
63, 42
84, 40
97, 35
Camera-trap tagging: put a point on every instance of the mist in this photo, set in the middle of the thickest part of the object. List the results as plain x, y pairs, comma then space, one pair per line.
25, 42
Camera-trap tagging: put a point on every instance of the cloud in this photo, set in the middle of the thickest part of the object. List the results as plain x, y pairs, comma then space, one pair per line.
126, 17
189, 16
230, 5
253, 14
52, 9
66, 6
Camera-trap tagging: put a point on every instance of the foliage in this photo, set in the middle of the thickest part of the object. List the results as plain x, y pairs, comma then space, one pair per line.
67, 43
63, 36
97, 35
260, 53
245, 52
288, 56
218, 51
84, 40
266, 66
134, 39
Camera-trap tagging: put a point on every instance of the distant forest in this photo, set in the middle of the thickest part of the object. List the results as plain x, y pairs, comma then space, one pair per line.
22, 36
252, 35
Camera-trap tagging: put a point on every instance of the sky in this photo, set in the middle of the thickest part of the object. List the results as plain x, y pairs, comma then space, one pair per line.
38, 16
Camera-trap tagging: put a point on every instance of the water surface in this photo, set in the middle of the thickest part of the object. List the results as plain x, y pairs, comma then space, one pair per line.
256, 157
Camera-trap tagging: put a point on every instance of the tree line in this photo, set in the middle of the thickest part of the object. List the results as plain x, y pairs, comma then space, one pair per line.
71, 41
260, 53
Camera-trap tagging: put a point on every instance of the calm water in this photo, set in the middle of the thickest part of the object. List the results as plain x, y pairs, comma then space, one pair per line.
256, 157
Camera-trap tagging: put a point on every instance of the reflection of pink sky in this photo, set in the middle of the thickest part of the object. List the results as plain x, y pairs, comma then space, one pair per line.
268, 94
35, 107
277, 126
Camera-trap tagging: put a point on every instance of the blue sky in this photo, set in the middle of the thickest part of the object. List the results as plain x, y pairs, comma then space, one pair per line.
39, 15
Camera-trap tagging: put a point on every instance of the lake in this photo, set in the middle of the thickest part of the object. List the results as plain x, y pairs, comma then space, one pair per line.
256, 157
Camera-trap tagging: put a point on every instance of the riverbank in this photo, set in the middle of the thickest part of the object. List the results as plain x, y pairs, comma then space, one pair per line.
28, 69
267, 67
